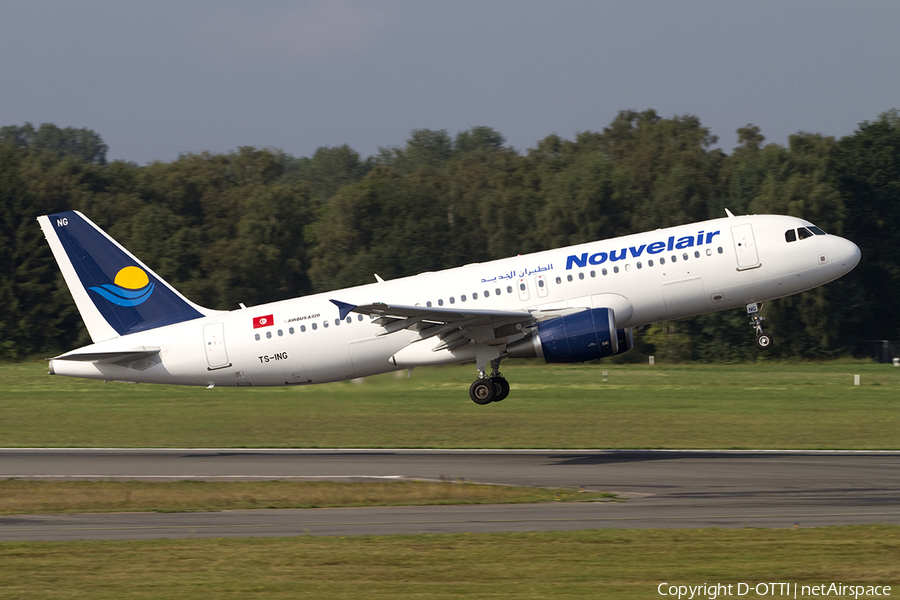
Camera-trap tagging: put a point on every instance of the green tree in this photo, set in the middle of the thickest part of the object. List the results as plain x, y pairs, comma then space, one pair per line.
84, 144
868, 173
327, 171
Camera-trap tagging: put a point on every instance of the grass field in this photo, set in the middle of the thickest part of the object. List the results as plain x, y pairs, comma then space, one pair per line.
31, 497
763, 405
582, 564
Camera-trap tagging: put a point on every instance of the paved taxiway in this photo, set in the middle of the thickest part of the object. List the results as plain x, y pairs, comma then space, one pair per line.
661, 489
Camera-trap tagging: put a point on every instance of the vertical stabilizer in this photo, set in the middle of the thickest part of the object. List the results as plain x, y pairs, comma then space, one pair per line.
116, 293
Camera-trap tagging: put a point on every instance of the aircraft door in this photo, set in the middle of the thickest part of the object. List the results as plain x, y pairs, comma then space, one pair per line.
522, 287
540, 283
214, 340
745, 246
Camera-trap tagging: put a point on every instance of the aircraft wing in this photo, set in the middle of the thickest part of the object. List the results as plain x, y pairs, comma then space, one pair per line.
453, 326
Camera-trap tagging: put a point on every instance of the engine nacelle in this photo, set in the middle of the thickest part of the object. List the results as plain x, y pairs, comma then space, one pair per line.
625, 338
579, 337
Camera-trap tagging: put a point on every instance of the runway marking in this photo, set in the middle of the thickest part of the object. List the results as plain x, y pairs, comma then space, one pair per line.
454, 522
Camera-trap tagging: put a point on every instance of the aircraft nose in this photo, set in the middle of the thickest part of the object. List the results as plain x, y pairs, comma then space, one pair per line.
848, 254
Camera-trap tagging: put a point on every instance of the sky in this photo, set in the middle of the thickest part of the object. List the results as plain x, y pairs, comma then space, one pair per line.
159, 78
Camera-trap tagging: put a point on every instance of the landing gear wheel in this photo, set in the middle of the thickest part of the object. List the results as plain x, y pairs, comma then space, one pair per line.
501, 388
482, 391
764, 340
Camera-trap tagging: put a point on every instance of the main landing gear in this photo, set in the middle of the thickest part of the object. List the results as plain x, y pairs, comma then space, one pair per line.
763, 340
485, 390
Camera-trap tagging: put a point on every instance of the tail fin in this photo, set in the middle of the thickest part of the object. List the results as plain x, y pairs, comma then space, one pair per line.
116, 293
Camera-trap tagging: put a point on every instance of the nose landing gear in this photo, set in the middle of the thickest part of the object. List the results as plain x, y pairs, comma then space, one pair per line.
763, 340
485, 390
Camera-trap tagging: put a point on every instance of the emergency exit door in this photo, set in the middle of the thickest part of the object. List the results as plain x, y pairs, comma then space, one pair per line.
214, 340
745, 247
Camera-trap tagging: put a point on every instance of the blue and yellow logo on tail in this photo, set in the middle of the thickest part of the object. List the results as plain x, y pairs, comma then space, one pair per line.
130, 287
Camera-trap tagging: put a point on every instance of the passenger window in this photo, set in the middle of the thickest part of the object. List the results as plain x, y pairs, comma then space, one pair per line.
440, 301
804, 233
593, 273
359, 317
325, 324
662, 261
581, 276
615, 269
337, 322
721, 250
790, 236
708, 252
696, 254
475, 295
559, 280
349, 319
428, 304
674, 258
452, 300
650, 263
604, 271
522, 286
540, 283
291, 330
497, 291
280, 333
462, 298
257, 337
314, 326
269, 335
639, 265
509, 289
685, 256
569, 278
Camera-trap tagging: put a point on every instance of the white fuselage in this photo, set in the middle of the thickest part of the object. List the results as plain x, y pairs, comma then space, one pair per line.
659, 275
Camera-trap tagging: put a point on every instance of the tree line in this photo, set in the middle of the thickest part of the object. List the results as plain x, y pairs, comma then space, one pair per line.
257, 225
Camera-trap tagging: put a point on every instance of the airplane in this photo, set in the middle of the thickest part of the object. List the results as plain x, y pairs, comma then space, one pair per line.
568, 305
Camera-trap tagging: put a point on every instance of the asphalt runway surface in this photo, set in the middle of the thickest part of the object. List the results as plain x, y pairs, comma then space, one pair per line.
658, 489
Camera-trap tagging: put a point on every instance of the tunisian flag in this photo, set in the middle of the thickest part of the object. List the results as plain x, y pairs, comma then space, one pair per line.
263, 321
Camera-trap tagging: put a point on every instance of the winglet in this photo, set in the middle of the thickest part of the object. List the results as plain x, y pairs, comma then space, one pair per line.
344, 308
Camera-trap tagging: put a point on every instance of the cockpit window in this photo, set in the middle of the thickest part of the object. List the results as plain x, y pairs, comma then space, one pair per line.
790, 235
804, 233
816, 230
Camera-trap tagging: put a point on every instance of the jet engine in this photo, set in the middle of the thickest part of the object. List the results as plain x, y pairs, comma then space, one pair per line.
625, 338
579, 337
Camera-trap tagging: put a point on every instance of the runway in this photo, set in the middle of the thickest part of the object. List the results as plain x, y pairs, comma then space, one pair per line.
657, 489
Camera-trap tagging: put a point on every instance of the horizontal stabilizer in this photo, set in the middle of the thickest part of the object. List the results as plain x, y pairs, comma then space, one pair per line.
117, 357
